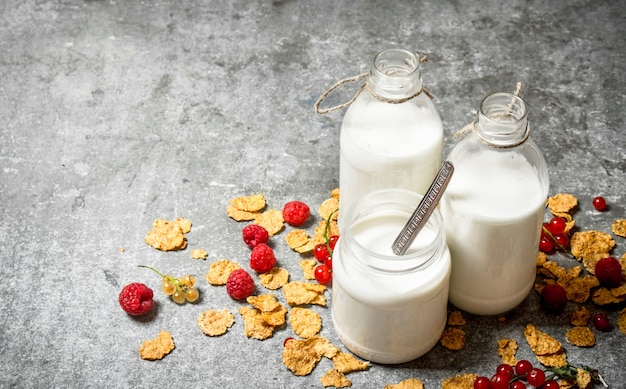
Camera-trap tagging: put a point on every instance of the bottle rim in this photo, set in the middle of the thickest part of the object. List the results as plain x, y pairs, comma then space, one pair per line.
403, 202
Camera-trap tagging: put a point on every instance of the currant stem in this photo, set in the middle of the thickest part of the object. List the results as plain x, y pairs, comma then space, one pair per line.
326, 229
564, 249
154, 270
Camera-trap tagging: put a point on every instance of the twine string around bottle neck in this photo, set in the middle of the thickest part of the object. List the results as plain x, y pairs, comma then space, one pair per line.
471, 127
365, 85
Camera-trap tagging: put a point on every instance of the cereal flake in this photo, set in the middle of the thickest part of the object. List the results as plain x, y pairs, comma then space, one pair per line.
154, 349
199, 254
507, 349
580, 336
346, 363
336, 379
453, 338
462, 381
215, 323
303, 293
219, 271
410, 383
168, 235
253, 203
305, 322
275, 278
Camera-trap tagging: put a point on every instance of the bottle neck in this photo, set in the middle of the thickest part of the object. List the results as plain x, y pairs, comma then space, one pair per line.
395, 74
502, 120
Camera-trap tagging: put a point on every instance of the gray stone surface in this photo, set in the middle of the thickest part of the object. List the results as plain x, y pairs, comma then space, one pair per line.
115, 113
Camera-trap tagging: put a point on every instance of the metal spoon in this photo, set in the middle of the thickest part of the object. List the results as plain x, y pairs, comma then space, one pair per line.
423, 211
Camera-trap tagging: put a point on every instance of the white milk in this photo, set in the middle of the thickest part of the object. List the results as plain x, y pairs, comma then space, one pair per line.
388, 146
388, 308
493, 210
391, 135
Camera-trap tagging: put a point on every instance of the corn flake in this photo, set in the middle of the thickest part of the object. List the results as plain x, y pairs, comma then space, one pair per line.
215, 323
199, 254
239, 215
562, 203
590, 247
255, 325
219, 271
272, 220
299, 241
308, 268
303, 293
305, 322
336, 379
346, 363
580, 336
619, 227
158, 348
410, 383
456, 319
335, 193
507, 349
168, 235
253, 203
605, 296
328, 207
583, 378
578, 289
275, 278
540, 342
453, 338
264, 302
301, 356
580, 317
462, 381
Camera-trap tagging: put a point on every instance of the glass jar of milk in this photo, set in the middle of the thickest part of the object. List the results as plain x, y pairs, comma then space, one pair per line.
493, 209
391, 135
388, 308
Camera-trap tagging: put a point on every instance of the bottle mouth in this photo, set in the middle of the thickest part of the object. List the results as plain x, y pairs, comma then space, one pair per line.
396, 63
395, 74
503, 120
376, 209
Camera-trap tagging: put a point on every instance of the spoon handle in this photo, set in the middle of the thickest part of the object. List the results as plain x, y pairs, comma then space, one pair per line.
423, 211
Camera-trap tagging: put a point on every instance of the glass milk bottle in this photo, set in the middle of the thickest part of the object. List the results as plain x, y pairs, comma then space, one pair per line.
493, 209
388, 308
391, 135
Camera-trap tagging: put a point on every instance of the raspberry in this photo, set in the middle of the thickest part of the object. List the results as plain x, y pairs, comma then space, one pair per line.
296, 213
553, 298
253, 234
262, 258
239, 284
609, 272
136, 299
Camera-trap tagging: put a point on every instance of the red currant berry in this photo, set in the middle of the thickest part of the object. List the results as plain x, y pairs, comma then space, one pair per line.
482, 383
320, 252
323, 274
601, 322
500, 381
523, 367
505, 369
561, 241
332, 241
557, 225
517, 385
599, 203
551, 384
546, 245
329, 261
536, 377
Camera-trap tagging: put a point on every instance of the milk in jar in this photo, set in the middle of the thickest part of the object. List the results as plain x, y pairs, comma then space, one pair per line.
391, 135
388, 308
493, 209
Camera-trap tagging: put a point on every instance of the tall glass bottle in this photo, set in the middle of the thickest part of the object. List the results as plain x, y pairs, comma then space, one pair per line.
493, 209
391, 135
